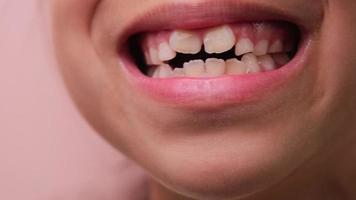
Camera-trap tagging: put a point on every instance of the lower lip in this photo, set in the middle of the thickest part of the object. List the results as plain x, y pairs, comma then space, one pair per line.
210, 93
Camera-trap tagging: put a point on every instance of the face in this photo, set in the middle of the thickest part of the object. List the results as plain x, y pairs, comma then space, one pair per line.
215, 99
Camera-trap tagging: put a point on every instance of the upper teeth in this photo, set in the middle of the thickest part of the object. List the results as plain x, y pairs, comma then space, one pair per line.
258, 54
219, 40
165, 52
185, 42
215, 40
243, 46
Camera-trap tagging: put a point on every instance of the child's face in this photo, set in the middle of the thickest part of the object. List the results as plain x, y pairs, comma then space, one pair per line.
220, 128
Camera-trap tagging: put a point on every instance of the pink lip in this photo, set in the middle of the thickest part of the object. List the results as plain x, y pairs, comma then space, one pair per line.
210, 93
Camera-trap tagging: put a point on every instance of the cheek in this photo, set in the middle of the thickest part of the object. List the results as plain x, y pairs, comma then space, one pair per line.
337, 52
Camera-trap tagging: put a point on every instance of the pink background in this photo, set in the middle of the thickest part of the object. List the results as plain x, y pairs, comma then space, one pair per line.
47, 151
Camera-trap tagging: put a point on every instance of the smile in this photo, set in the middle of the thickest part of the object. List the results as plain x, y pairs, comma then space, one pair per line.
215, 54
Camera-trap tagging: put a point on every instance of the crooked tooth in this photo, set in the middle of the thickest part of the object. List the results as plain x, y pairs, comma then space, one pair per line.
252, 63
276, 47
194, 68
261, 48
219, 40
215, 67
281, 58
243, 46
162, 71
165, 52
185, 42
178, 72
267, 63
153, 57
235, 67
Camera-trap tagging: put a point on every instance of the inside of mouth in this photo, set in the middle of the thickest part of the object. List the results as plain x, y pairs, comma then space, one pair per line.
262, 47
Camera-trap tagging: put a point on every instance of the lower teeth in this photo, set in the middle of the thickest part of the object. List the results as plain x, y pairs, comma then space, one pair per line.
214, 67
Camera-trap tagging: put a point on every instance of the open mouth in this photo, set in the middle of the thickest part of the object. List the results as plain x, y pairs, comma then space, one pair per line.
216, 53
227, 49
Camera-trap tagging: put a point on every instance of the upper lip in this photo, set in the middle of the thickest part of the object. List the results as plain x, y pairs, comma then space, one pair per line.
206, 13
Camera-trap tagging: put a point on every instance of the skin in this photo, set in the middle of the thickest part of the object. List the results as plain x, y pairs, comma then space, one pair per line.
304, 149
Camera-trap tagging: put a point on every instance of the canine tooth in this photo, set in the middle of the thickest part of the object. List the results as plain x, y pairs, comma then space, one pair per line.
154, 59
185, 42
281, 58
252, 64
219, 39
163, 71
276, 47
243, 46
165, 52
215, 67
267, 63
194, 68
235, 67
178, 72
261, 48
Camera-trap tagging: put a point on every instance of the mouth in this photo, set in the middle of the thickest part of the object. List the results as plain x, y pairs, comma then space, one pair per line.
214, 54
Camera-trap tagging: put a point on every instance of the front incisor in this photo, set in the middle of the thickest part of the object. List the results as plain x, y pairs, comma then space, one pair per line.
219, 40
185, 42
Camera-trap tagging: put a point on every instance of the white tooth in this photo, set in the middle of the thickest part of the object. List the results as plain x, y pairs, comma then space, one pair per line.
243, 46
215, 67
165, 52
195, 68
261, 48
281, 59
235, 67
267, 63
276, 47
178, 72
154, 59
252, 64
219, 40
163, 71
185, 42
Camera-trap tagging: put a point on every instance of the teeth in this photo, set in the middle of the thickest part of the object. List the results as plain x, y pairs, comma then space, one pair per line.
165, 52
185, 42
267, 63
261, 48
252, 63
162, 71
219, 40
215, 67
178, 72
276, 47
153, 57
281, 58
235, 67
243, 46
194, 68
